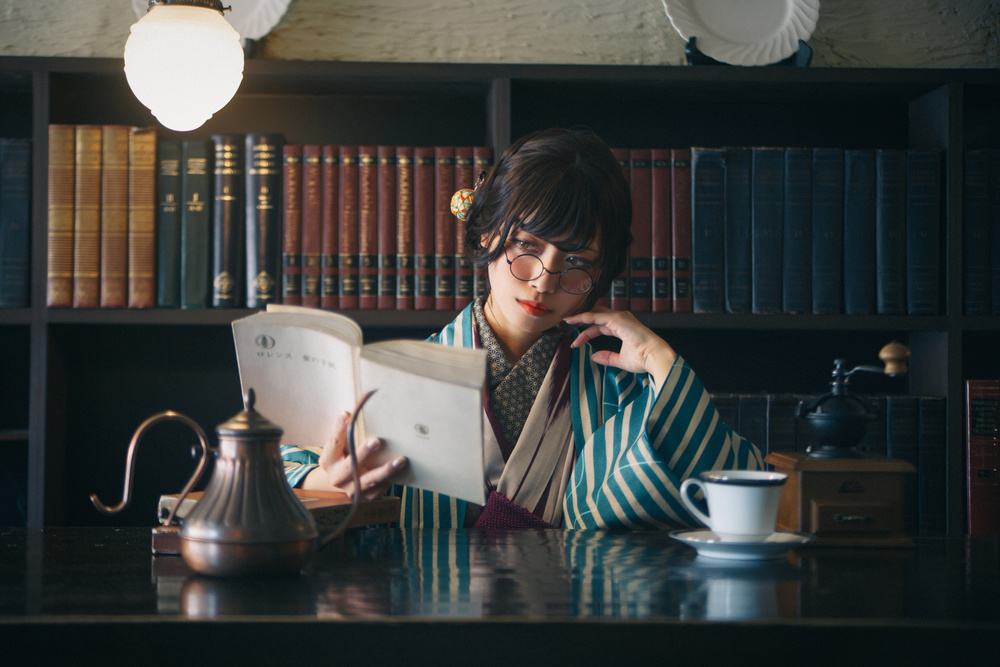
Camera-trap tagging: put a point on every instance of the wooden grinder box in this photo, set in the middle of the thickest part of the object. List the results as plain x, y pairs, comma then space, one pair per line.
843, 501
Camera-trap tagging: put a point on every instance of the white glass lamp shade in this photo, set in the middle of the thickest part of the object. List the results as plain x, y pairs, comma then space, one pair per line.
184, 63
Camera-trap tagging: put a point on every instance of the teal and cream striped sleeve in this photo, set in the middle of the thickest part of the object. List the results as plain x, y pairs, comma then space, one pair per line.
299, 462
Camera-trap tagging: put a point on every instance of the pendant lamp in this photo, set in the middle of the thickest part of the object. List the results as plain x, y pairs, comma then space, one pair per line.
184, 61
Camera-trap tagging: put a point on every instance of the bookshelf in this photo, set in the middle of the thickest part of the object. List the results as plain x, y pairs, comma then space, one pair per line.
77, 383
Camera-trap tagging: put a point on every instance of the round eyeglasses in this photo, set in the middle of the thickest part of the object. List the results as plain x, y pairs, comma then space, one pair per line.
530, 267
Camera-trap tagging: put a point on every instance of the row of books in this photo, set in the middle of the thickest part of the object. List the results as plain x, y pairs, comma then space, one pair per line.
982, 420
907, 427
15, 221
981, 229
812, 230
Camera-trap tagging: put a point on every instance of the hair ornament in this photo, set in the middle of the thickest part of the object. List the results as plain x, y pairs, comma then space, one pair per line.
461, 201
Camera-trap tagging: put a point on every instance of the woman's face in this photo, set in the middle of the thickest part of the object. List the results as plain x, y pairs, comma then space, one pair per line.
524, 309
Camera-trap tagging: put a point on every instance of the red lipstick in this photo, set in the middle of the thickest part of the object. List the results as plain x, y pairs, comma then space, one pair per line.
533, 309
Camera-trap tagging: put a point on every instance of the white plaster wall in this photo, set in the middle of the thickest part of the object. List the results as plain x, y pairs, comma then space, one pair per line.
859, 33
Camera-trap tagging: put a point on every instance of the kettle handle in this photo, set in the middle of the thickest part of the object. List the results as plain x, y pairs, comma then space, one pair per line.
130, 464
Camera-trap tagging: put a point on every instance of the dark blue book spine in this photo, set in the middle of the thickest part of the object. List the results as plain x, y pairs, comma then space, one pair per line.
796, 271
931, 465
169, 199
196, 223
264, 172
902, 420
890, 231
15, 222
753, 420
227, 221
828, 231
976, 232
768, 179
995, 230
859, 232
707, 220
737, 226
923, 232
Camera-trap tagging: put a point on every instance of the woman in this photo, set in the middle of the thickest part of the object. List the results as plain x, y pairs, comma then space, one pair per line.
576, 437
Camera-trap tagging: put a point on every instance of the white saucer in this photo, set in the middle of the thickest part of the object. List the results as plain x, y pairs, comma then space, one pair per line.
709, 544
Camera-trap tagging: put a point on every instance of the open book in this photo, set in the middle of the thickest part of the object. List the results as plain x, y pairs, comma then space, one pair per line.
307, 365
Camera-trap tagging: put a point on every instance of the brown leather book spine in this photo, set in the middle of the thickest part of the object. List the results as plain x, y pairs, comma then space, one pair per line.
368, 191
640, 274
142, 218
387, 183
330, 261
405, 288
349, 228
465, 168
312, 226
263, 217
444, 231
62, 164
114, 216
680, 171
87, 218
423, 226
484, 163
291, 253
662, 300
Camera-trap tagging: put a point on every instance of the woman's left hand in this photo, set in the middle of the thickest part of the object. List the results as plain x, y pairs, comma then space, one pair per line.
642, 351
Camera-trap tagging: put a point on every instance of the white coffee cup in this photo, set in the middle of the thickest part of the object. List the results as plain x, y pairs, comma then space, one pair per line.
742, 504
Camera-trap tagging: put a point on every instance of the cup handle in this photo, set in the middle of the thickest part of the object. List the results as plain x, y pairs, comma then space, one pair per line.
690, 504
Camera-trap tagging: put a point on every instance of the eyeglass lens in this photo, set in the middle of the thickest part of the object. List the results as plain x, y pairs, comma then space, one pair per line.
529, 267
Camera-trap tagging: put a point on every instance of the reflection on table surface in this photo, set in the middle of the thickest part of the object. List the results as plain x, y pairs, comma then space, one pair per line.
388, 573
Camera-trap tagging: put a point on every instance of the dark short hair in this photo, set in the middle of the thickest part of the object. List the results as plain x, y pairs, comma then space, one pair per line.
563, 186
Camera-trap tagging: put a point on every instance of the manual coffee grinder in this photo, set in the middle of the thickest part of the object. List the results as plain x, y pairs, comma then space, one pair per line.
835, 492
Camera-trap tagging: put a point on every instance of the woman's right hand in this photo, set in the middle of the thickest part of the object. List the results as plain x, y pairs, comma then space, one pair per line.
334, 471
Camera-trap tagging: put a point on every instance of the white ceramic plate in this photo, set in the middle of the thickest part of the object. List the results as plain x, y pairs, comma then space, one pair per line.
741, 32
708, 544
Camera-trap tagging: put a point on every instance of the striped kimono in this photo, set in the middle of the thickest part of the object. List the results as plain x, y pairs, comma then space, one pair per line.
601, 447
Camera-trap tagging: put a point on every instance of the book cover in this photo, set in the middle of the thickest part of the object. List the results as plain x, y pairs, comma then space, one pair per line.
291, 250
114, 216
976, 232
59, 237
796, 266
168, 224
142, 218
405, 286
368, 191
661, 233
484, 163
982, 441
228, 226
618, 296
753, 419
423, 227
307, 366
680, 173
767, 214
87, 218
995, 230
828, 231
444, 228
923, 232
15, 222
640, 270
263, 217
932, 464
902, 419
330, 262
859, 232
388, 218
707, 227
890, 232
736, 266
196, 223
312, 225
782, 426
350, 221
465, 177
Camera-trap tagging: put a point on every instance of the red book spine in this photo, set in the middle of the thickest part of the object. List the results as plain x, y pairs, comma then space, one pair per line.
680, 171
444, 229
368, 228
387, 227
405, 288
618, 298
423, 227
484, 163
982, 412
661, 242
312, 224
640, 273
465, 169
291, 254
330, 222
349, 228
